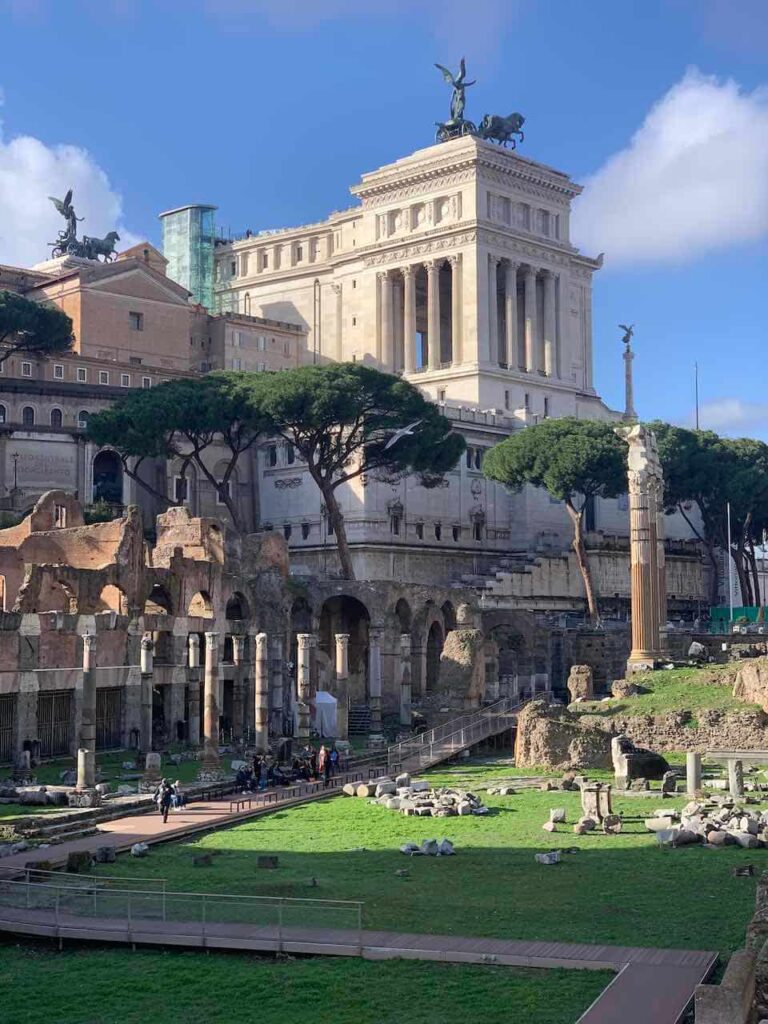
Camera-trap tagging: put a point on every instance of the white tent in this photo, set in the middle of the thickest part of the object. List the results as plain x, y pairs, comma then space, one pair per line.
325, 720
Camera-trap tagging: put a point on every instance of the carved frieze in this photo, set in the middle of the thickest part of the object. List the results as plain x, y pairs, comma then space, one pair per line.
288, 482
428, 247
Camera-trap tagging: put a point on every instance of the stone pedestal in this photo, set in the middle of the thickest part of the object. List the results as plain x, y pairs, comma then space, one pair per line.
374, 682
596, 801
693, 773
211, 703
261, 695
86, 744
736, 779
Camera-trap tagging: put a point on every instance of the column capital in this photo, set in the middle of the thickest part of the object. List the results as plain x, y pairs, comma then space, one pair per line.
530, 269
547, 274
261, 640
89, 641
336, 287
383, 275
238, 646
193, 640
375, 634
512, 264
342, 638
147, 643
433, 266
405, 642
454, 259
409, 270
211, 637
305, 641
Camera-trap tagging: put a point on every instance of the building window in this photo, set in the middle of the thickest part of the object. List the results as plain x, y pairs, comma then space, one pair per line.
527, 402
265, 261
180, 489
146, 382
125, 380
299, 253
82, 375
26, 369
261, 367
272, 455
287, 531
468, 456
28, 416
261, 343
233, 268
103, 376
290, 454
546, 408
136, 321
354, 283
395, 518
354, 321
304, 531
58, 371
60, 517
441, 396
287, 348
456, 531
478, 457
438, 531
328, 524
57, 418
224, 492
82, 419
420, 531
3, 414
506, 400
477, 529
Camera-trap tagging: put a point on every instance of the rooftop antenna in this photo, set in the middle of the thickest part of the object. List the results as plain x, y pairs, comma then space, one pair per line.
696, 389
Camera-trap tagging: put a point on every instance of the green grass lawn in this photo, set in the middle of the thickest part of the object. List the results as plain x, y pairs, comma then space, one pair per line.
120, 987
620, 889
680, 689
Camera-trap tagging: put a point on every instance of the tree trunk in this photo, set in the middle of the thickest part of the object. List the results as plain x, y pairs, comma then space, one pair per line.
583, 561
752, 561
339, 529
737, 554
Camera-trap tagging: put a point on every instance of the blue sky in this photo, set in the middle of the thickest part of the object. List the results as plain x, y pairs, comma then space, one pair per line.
272, 108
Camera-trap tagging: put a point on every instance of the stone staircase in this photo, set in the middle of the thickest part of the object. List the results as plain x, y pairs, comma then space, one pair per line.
359, 720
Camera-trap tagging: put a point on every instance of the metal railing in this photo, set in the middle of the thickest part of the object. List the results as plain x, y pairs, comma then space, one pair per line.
200, 912
439, 743
30, 873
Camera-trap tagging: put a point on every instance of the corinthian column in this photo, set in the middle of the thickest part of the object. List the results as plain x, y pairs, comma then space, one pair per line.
276, 686
405, 680
238, 705
374, 681
303, 685
387, 339
433, 314
409, 318
211, 702
493, 308
339, 333
529, 280
261, 695
549, 324
147, 668
193, 682
342, 691
455, 261
510, 309
86, 740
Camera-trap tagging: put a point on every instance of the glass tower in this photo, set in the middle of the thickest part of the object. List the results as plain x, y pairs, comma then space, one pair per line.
188, 239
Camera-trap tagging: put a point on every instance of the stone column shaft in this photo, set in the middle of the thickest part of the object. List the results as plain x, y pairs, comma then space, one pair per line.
629, 394
456, 269
510, 309
405, 680
342, 686
277, 710
211, 702
339, 322
387, 338
374, 679
550, 327
433, 315
86, 743
303, 685
736, 779
147, 669
493, 309
238, 701
193, 682
409, 318
529, 280
261, 695
693, 773
643, 559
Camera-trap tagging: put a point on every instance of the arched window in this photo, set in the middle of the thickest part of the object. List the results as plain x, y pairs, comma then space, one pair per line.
247, 304
28, 416
57, 418
82, 419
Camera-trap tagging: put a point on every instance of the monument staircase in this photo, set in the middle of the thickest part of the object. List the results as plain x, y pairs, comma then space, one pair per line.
359, 720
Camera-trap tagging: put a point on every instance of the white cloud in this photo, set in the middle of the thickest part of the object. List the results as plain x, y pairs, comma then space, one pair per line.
734, 416
694, 178
30, 171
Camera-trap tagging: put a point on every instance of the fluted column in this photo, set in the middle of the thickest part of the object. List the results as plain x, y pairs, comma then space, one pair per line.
193, 682
387, 339
342, 691
276, 698
303, 685
433, 314
211, 702
493, 308
510, 309
529, 280
339, 321
549, 324
86, 740
147, 668
374, 679
405, 680
398, 355
409, 317
456, 352
261, 695
238, 702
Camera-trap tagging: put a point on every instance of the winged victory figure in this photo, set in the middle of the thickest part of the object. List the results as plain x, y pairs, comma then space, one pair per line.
459, 85
629, 330
65, 208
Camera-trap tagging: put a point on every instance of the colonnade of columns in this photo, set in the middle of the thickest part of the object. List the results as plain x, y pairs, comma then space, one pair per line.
399, 317
521, 335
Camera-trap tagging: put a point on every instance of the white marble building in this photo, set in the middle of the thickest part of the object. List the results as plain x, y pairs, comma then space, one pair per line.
456, 270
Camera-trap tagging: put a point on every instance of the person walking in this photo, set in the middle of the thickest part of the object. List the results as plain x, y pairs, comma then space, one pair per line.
333, 757
323, 764
166, 796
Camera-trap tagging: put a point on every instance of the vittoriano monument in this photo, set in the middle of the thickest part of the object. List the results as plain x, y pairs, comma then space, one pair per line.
493, 127
68, 244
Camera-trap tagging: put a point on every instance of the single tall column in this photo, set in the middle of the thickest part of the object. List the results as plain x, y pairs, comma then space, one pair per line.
409, 317
693, 774
211, 702
405, 680
433, 314
493, 308
456, 351
303, 686
261, 695
510, 310
339, 321
529, 281
147, 669
387, 339
238, 696
374, 682
86, 741
550, 325
629, 391
398, 356
193, 681
661, 565
342, 685
277, 711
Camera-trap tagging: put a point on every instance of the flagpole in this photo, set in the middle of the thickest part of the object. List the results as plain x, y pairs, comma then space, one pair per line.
696, 385
730, 573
